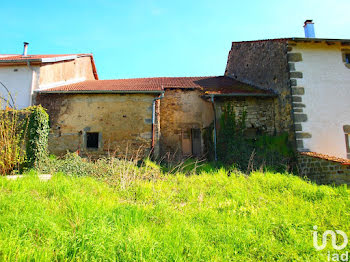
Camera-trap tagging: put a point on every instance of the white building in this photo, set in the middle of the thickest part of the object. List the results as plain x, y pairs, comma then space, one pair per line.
22, 75
311, 77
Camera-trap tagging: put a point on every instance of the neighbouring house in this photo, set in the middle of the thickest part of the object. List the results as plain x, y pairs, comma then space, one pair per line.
165, 115
311, 76
21, 75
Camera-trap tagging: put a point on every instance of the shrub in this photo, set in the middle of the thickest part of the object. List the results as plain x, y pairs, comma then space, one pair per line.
12, 142
38, 133
115, 171
23, 138
264, 150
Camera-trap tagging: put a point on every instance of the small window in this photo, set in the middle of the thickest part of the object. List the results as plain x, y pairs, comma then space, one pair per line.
92, 140
347, 58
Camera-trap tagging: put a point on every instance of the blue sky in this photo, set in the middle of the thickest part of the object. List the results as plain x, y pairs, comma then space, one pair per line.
148, 38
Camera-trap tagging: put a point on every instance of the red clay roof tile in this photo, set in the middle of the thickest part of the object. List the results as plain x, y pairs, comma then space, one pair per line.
342, 161
209, 84
25, 58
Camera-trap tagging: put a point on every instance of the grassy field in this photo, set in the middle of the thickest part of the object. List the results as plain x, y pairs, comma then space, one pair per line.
207, 217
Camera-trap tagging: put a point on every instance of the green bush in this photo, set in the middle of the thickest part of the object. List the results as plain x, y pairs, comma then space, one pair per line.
264, 151
37, 136
12, 141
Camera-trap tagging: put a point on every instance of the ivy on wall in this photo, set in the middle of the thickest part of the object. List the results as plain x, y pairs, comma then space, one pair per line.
37, 136
233, 147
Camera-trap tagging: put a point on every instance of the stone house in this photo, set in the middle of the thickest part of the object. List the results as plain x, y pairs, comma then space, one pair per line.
311, 77
165, 116
23, 74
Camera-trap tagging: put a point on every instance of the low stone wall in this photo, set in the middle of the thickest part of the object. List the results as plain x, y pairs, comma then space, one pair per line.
324, 169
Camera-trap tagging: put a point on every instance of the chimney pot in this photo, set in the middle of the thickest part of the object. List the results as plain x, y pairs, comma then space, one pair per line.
25, 48
309, 29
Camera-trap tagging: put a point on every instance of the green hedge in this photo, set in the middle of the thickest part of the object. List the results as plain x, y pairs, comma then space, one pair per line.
37, 135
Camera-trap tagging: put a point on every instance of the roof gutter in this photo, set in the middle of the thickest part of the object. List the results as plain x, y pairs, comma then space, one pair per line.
31, 83
242, 94
22, 61
40, 60
302, 39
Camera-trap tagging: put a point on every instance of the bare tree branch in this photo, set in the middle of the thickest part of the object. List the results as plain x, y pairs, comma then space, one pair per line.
9, 93
6, 100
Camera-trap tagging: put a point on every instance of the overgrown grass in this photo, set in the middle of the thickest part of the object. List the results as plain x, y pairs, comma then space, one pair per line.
213, 216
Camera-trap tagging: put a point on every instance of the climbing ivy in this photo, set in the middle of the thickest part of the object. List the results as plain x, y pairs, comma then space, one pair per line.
233, 147
37, 136
208, 139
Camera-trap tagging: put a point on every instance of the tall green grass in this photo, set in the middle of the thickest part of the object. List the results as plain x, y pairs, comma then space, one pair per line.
212, 216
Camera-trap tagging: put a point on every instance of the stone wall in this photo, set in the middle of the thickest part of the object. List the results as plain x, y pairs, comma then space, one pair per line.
181, 110
260, 114
264, 64
324, 169
124, 122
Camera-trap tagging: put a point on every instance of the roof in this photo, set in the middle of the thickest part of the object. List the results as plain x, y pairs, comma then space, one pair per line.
342, 161
11, 59
297, 39
215, 85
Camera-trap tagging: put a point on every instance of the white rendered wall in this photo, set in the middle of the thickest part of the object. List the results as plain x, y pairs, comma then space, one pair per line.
18, 79
326, 81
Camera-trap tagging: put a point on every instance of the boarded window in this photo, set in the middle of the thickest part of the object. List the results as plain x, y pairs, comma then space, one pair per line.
186, 143
92, 140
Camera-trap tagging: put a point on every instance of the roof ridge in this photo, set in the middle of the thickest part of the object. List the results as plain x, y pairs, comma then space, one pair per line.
216, 85
160, 77
48, 54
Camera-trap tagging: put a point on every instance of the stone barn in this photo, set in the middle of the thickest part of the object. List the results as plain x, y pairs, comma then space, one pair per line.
166, 116
102, 117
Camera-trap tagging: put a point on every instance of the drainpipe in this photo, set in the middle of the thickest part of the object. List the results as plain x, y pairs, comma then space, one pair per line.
154, 119
31, 84
215, 153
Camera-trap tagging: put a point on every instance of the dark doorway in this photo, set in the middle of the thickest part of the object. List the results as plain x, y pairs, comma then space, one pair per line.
196, 141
